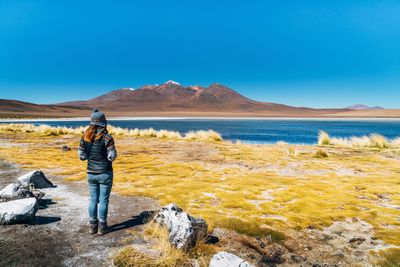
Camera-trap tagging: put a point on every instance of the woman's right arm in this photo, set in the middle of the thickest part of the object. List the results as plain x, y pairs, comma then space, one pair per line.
111, 150
82, 154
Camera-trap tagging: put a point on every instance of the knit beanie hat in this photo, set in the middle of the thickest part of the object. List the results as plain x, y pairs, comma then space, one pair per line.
98, 118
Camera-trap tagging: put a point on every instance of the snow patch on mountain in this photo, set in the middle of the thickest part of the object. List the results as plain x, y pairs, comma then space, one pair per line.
172, 82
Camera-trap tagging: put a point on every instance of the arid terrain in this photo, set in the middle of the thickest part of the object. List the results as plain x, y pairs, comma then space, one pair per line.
282, 204
59, 234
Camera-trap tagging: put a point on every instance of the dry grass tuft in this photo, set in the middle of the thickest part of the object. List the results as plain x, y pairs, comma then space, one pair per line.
204, 135
166, 254
363, 141
379, 141
46, 130
372, 141
321, 154
323, 138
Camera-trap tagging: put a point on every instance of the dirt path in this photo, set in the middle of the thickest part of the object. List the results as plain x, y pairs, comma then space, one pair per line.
59, 235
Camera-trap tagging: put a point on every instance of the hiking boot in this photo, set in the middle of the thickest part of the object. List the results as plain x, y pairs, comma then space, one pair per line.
103, 228
93, 227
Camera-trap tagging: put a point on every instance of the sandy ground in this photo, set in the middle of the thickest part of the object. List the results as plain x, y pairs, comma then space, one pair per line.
59, 236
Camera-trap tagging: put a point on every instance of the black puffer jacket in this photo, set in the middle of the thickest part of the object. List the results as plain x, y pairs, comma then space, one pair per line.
99, 154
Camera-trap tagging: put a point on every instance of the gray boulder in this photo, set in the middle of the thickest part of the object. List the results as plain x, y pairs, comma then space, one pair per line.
13, 192
17, 211
184, 230
225, 259
35, 179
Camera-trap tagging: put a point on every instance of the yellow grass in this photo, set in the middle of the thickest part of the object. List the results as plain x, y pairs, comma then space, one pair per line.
321, 154
372, 141
323, 138
164, 254
46, 130
256, 190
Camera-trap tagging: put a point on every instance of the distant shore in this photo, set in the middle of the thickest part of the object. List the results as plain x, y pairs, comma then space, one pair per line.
203, 118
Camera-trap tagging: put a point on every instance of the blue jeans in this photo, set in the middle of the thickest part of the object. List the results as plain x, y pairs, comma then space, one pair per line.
100, 189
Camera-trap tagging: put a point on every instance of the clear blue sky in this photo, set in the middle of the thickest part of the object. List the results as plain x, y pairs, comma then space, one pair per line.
302, 53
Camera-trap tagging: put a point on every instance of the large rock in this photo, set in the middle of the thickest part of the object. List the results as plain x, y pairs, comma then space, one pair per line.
9, 190
13, 192
225, 259
17, 211
184, 230
37, 179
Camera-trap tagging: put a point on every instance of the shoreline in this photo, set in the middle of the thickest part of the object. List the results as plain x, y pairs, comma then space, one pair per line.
206, 118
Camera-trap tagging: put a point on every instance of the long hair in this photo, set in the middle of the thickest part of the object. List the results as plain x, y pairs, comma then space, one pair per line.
91, 133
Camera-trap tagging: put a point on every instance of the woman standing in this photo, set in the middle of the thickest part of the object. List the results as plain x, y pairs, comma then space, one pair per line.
98, 148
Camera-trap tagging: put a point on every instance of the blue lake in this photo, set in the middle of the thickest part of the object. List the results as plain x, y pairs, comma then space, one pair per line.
259, 131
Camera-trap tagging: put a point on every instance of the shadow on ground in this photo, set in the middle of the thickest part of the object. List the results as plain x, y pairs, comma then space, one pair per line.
137, 220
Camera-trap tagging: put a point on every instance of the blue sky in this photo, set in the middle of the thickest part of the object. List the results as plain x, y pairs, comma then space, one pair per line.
301, 53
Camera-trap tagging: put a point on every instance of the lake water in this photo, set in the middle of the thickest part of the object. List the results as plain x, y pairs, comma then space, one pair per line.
259, 130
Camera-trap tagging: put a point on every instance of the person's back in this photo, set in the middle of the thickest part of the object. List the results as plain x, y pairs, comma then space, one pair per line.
98, 148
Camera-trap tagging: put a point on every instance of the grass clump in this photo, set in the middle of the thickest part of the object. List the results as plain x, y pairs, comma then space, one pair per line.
321, 154
372, 141
379, 141
323, 139
204, 135
161, 253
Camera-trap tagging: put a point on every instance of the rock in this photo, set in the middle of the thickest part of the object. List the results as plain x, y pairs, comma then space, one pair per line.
13, 192
8, 191
17, 211
35, 179
225, 259
184, 230
356, 241
65, 148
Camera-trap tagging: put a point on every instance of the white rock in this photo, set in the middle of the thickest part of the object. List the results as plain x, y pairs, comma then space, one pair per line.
13, 192
9, 191
17, 211
184, 230
35, 178
225, 259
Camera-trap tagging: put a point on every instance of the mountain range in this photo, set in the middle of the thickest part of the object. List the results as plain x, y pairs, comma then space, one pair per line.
172, 96
364, 107
171, 99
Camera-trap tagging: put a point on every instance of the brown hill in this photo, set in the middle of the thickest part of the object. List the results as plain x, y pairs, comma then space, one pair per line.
173, 99
15, 109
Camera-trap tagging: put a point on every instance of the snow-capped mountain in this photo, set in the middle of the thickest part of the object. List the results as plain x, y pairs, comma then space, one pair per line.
172, 96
